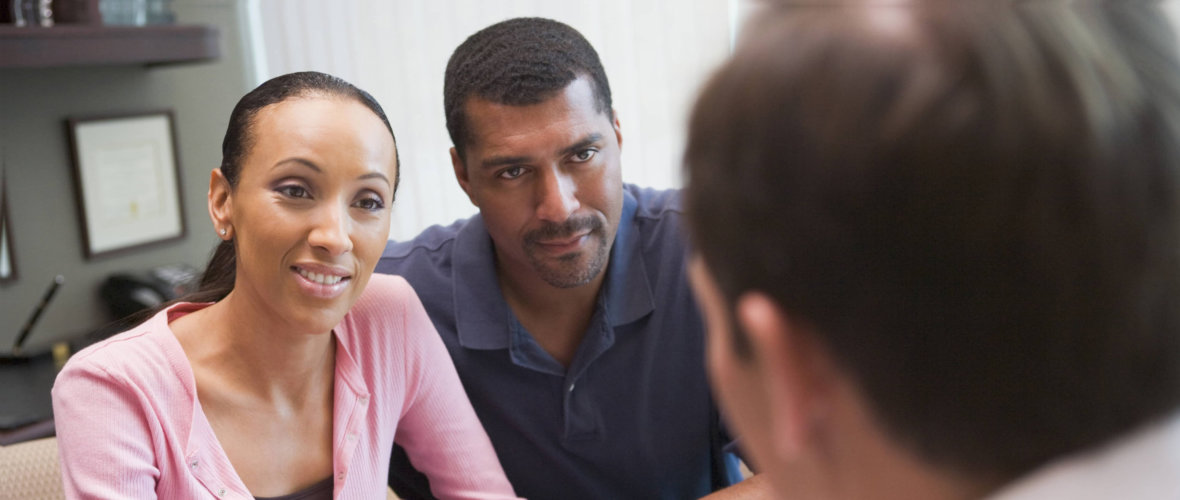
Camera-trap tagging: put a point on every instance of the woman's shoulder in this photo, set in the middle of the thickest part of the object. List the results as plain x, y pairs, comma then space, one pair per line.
140, 353
384, 292
388, 310
386, 284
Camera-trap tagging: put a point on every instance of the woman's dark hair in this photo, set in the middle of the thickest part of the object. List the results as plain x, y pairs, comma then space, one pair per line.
218, 278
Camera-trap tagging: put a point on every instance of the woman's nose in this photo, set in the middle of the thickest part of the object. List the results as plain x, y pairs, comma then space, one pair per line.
331, 230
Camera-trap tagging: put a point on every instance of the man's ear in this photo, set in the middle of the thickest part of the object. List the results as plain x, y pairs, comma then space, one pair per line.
461, 175
618, 130
793, 369
220, 204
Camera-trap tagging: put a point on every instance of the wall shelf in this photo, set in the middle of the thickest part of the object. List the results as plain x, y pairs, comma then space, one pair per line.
95, 45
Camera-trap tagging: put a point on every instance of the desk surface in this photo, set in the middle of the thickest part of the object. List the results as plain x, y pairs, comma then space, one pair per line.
24, 392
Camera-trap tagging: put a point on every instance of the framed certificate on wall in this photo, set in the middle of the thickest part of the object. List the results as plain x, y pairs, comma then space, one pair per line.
127, 181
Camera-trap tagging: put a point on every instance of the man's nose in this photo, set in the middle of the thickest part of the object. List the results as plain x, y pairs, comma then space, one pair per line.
557, 197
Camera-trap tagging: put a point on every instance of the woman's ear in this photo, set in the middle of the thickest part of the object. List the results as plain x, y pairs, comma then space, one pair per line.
221, 205
794, 370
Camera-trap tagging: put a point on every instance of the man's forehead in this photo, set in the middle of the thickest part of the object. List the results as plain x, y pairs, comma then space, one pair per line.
578, 94
567, 116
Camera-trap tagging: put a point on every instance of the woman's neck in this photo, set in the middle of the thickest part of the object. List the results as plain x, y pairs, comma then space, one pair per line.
256, 356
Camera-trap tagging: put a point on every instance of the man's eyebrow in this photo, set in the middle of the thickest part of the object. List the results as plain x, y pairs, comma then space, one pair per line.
582, 144
498, 161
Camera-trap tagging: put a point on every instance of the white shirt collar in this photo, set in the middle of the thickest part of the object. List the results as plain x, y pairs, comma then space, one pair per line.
1143, 465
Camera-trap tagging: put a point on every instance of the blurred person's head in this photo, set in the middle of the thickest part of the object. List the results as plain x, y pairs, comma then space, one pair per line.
938, 247
537, 149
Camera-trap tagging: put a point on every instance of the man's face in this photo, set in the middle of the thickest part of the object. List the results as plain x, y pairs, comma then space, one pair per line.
546, 179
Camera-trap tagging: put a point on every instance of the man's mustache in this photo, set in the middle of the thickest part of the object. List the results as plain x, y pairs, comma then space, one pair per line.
566, 229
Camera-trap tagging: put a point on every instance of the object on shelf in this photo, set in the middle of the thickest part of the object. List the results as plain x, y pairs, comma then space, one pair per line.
22, 13
123, 12
76, 12
160, 12
44, 13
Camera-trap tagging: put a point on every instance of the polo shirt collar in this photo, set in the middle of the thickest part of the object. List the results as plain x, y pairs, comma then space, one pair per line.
628, 292
481, 314
482, 317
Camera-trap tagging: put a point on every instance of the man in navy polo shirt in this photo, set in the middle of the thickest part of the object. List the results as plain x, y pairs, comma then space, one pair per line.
564, 303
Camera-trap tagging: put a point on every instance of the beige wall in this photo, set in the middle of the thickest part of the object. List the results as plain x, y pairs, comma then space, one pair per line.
45, 226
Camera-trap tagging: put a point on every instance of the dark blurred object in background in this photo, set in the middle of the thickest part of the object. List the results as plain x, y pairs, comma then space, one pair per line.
76, 12
127, 293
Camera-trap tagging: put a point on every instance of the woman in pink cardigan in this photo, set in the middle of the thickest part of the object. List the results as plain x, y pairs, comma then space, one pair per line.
293, 370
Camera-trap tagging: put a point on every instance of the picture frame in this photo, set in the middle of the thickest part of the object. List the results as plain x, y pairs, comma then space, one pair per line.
7, 251
126, 181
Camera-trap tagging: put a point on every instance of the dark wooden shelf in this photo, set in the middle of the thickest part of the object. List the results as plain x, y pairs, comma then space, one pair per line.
93, 45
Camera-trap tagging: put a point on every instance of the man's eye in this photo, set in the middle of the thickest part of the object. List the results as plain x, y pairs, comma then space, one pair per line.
585, 155
293, 191
511, 172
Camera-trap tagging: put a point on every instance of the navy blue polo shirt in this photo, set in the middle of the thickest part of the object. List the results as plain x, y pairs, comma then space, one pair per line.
632, 417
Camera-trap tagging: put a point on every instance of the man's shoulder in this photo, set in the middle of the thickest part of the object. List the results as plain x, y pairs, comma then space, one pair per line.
429, 252
426, 261
433, 239
658, 219
652, 203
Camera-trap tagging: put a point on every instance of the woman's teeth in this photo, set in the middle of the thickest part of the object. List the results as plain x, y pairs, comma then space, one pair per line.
323, 279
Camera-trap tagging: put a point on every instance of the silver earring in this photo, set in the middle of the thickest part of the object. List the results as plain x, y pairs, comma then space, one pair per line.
223, 231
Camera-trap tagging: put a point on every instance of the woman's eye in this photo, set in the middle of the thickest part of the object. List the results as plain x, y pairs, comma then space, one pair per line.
293, 191
511, 172
585, 155
370, 204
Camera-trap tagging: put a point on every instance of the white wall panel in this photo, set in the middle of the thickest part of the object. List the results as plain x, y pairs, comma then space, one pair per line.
656, 52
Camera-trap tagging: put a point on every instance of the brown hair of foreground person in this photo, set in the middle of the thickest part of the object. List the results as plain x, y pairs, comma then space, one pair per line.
967, 212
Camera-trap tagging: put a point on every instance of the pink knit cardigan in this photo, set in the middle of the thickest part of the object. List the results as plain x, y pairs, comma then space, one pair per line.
129, 423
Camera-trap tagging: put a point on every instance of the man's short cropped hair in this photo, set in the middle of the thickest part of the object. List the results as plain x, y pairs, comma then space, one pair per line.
518, 62
977, 212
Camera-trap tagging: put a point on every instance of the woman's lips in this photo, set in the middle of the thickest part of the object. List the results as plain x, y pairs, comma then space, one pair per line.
321, 282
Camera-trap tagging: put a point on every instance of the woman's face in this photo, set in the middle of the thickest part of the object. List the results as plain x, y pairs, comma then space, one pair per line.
310, 214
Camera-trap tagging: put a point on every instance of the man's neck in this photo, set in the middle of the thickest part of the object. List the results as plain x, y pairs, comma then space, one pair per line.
556, 317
